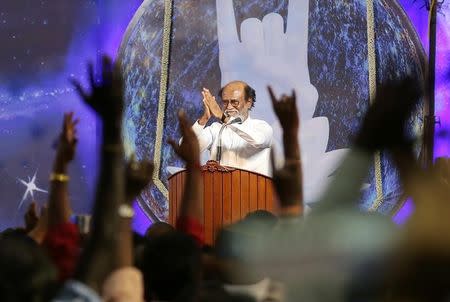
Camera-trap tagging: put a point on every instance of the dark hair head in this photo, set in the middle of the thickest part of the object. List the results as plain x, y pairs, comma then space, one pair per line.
157, 229
249, 92
171, 267
26, 273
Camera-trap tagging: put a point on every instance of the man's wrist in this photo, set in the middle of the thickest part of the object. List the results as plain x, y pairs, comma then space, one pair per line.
203, 120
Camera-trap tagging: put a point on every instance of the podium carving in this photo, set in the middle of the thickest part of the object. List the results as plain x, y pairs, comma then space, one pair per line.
229, 194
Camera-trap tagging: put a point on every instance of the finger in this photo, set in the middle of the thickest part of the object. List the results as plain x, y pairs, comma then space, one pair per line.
107, 70
91, 74
69, 119
65, 122
207, 93
79, 89
297, 21
274, 36
32, 207
252, 34
205, 102
149, 167
272, 96
226, 24
117, 78
297, 35
174, 145
184, 124
44, 210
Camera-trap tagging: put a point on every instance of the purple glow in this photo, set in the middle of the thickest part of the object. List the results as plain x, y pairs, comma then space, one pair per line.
402, 215
140, 222
419, 18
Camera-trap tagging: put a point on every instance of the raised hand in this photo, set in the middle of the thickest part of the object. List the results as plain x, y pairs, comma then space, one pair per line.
384, 123
138, 175
189, 149
40, 227
68, 139
210, 101
31, 216
106, 96
285, 109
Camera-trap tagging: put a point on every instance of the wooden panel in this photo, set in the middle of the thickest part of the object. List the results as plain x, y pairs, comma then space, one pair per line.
236, 196
217, 204
175, 199
171, 191
226, 193
269, 196
261, 192
253, 193
207, 205
180, 188
245, 203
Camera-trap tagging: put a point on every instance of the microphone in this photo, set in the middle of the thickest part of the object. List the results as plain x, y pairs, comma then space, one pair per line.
233, 120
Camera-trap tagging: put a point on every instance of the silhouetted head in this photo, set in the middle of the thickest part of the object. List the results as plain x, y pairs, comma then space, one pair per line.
238, 248
26, 273
157, 229
171, 267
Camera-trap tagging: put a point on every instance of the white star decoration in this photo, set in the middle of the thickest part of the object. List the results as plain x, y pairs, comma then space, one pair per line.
31, 187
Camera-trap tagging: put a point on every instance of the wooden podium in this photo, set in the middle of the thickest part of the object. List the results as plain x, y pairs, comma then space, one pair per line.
229, 194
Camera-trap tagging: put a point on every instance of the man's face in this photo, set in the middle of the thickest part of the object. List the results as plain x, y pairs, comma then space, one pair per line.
233, 100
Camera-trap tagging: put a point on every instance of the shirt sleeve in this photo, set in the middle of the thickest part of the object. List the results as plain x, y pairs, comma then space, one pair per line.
258, 134
62, 243
204, 135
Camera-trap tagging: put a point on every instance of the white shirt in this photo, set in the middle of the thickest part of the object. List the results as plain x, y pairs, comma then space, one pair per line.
245, 145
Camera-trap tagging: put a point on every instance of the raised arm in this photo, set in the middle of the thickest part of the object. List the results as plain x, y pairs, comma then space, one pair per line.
99, 257
191, 213
62, 238
59, 209
138, 175
288, 180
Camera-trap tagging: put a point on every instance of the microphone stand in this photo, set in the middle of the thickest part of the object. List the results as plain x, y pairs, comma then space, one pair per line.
236, 120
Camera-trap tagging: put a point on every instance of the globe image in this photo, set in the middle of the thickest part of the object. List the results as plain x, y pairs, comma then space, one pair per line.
329, 70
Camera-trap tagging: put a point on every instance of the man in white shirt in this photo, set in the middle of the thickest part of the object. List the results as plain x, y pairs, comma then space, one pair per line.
238, 140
